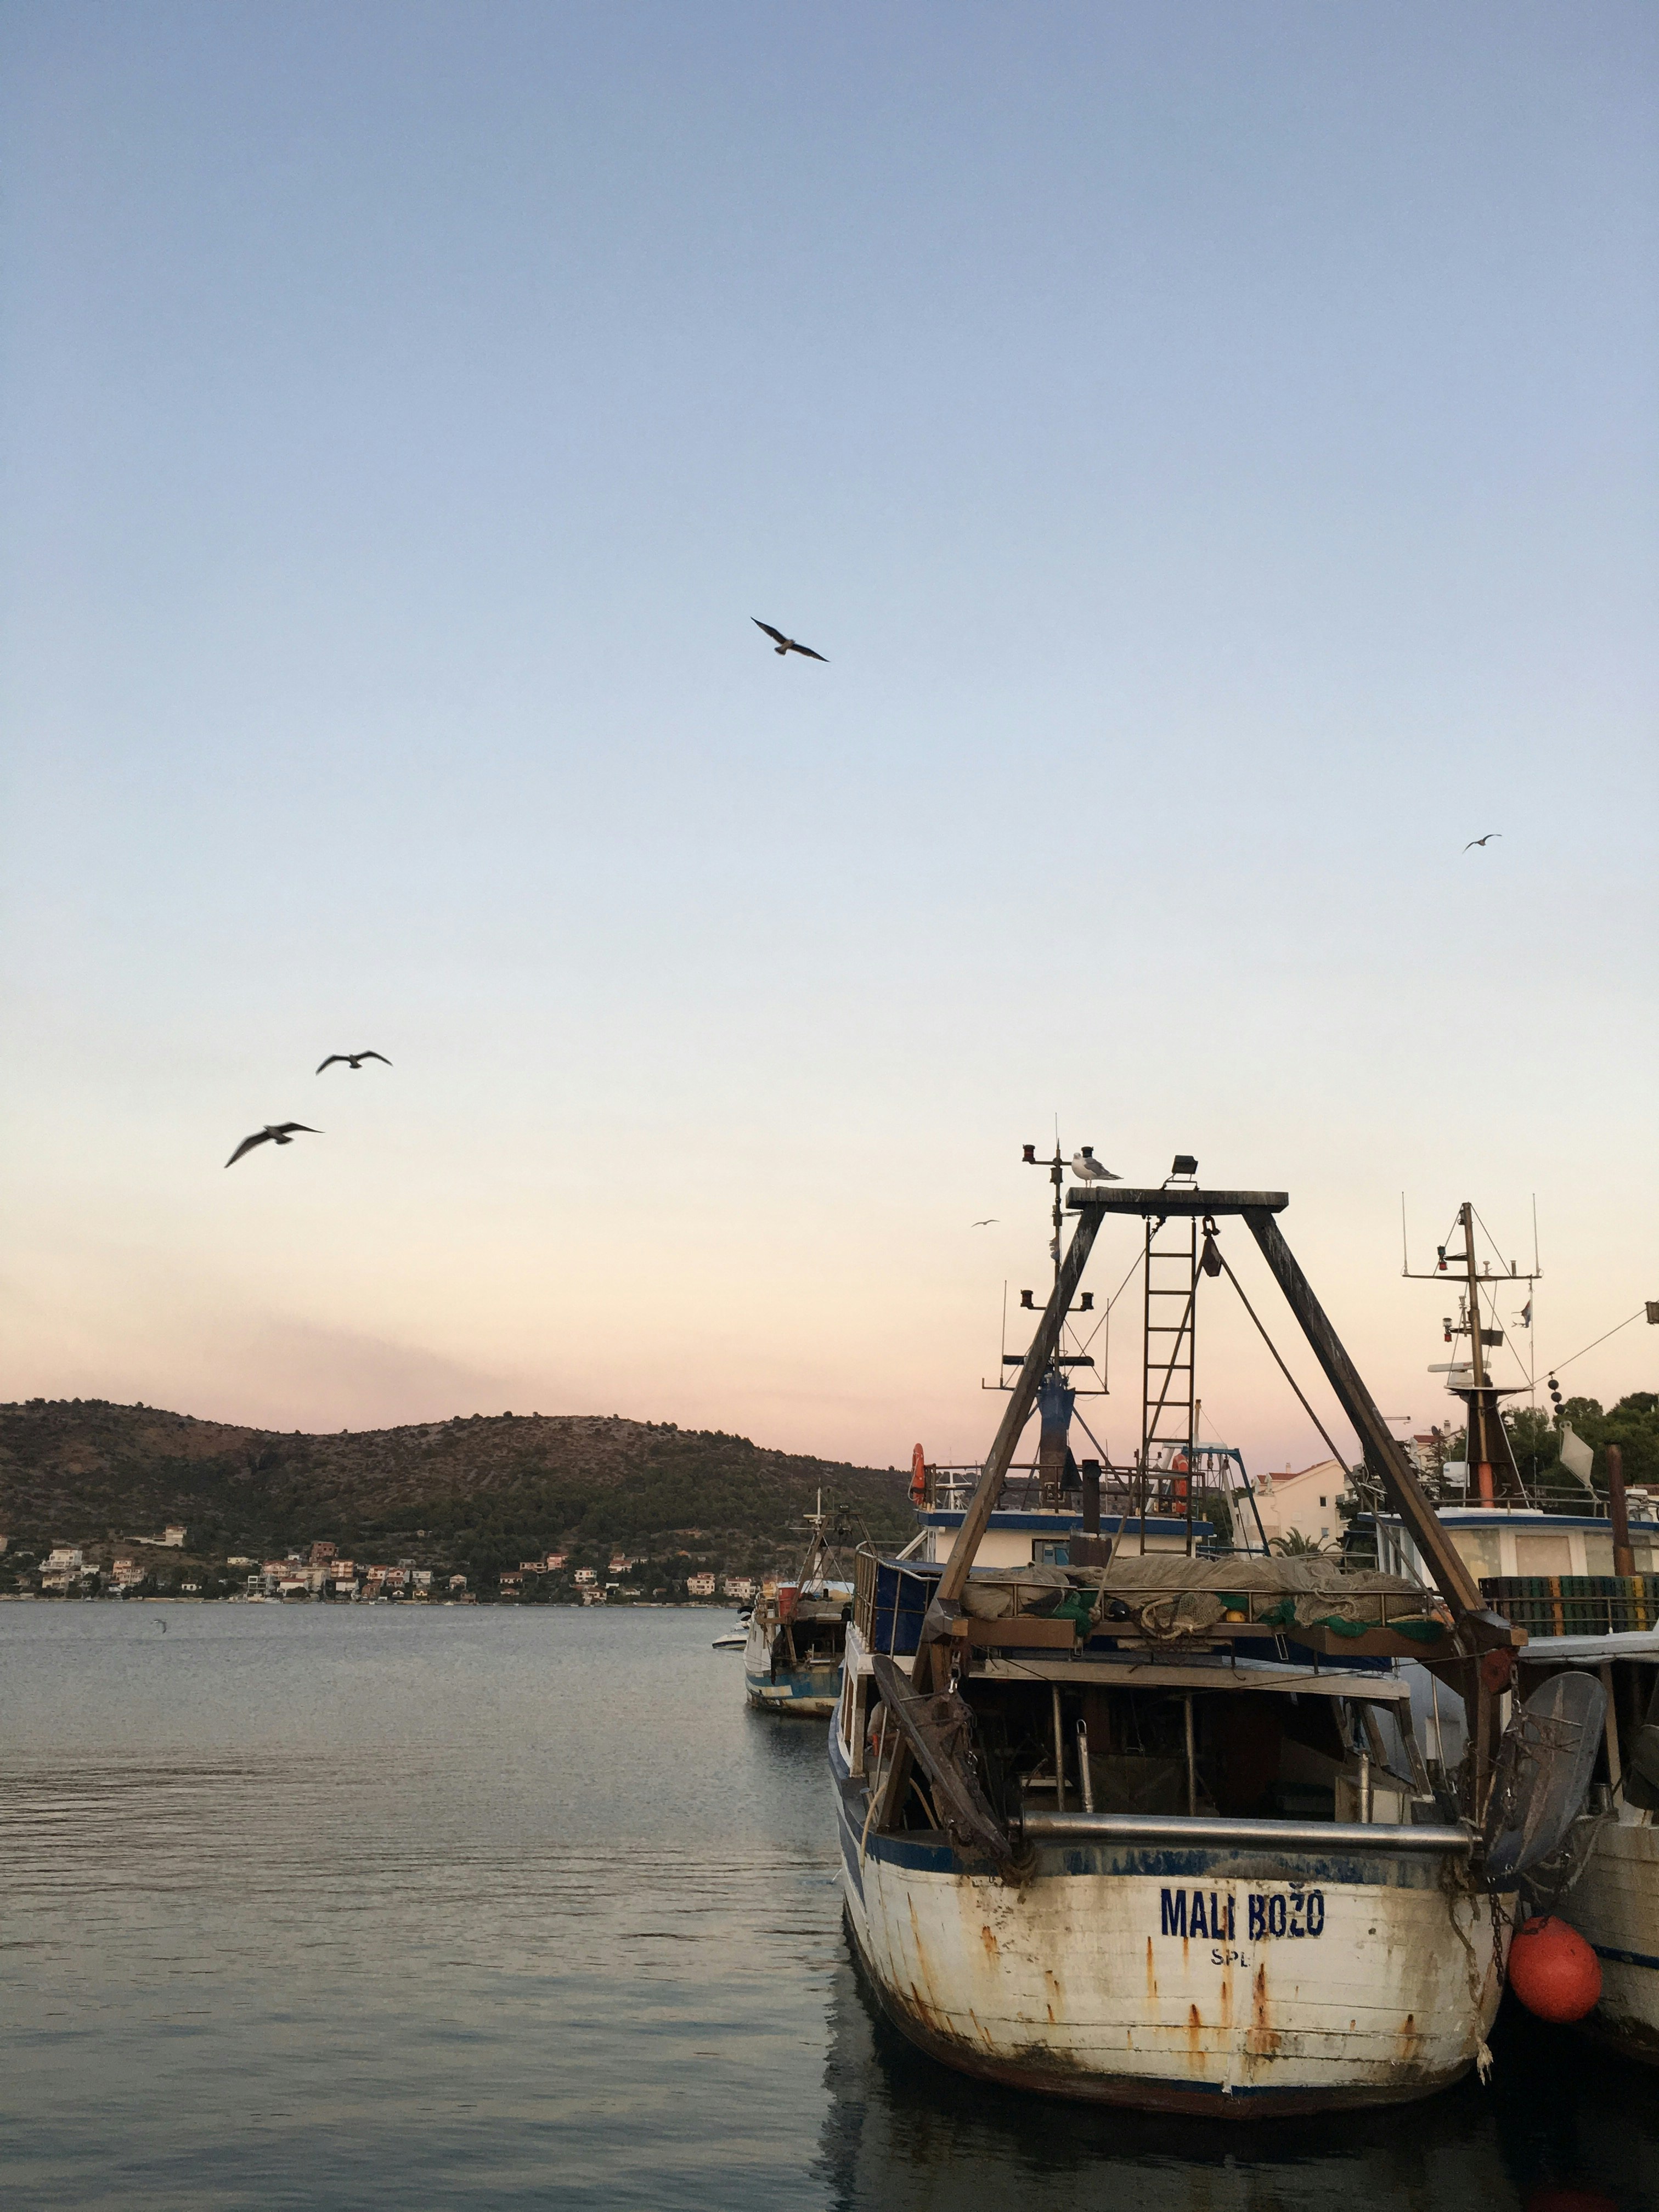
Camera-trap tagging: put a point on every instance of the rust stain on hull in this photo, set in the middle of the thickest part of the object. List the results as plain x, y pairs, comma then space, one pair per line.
1151, 1972
1055, 2078
1263, 2039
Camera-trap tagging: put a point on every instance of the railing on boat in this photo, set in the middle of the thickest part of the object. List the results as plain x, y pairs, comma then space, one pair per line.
1575, 1605
1202, 1829
891, 1596
949, 1489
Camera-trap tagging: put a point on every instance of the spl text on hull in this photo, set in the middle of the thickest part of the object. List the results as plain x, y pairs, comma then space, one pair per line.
1165, 1828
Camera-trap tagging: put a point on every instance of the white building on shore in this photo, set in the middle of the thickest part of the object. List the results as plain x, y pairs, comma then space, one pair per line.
1302, 1501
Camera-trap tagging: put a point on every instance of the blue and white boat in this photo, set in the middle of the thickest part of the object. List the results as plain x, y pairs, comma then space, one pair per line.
1584, 1583
792, 1658
1129, 1817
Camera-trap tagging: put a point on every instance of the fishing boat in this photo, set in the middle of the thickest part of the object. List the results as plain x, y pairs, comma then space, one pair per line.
797, 1634
1161, 1827
1583, 1586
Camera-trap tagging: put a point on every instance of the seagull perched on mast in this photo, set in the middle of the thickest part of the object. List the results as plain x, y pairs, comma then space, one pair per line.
787, 644
274, 1133
354, 1058
1087, 1168
1473, 841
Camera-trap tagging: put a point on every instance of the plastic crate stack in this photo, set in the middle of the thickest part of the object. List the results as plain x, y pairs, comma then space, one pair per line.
1575, 1605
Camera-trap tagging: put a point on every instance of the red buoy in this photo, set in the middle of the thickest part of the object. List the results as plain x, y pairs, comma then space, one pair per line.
1553, 1971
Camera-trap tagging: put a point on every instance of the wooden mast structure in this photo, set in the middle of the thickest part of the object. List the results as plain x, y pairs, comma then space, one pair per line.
1478, 1631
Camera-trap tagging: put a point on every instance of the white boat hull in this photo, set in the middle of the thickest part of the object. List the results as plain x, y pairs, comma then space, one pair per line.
1615, 1906
808, 1693
1335, 1980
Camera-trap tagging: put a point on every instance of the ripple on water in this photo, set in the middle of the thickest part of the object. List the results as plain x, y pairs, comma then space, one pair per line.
340, 1908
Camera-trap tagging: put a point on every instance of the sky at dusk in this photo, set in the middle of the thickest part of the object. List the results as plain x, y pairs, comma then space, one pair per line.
1215, 448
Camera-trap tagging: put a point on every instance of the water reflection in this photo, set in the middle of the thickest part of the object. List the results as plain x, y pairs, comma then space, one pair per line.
319, 1910
1560, 2129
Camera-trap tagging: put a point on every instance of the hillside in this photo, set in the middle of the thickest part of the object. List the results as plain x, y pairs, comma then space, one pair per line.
476, 1491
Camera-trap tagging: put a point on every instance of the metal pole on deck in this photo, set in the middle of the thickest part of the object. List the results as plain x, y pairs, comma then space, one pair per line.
1478, 1365
1624, 1559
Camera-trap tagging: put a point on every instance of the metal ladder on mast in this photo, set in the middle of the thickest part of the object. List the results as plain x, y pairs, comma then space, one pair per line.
1169, 1303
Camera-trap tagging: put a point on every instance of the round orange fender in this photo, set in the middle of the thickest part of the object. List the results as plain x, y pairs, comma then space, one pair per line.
918, 1475
1553, 1971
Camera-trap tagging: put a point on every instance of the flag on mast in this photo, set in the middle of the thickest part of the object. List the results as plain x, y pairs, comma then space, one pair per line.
1576, 1456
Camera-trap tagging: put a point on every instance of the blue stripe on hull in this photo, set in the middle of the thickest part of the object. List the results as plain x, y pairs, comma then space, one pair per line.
793, 1685
1623, 1958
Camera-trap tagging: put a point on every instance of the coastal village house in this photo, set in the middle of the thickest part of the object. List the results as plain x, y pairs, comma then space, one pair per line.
1303, 1502
700, 1585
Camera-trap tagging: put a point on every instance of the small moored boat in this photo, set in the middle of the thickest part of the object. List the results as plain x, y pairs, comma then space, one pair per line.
798, 1632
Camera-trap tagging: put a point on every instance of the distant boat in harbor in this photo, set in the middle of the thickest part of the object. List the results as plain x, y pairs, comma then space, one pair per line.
797, 1633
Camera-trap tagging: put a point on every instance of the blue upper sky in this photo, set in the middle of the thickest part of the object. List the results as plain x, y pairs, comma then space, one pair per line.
1215, 448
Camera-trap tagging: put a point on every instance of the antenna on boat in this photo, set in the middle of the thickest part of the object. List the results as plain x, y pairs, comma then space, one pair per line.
1489, 1452
1084, 1165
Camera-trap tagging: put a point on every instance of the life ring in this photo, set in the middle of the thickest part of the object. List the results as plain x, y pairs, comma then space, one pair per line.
918, 1475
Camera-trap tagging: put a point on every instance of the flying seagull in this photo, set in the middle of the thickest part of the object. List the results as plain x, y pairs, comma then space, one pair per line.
1473, 841
274, 1133
988, 1221
354, 1058
1087, 1168
787, 644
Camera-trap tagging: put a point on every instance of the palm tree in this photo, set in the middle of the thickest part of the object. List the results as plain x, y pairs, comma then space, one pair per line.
1296, 1546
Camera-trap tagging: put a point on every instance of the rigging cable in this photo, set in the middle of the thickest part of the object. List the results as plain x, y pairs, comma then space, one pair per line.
1556, 1366
1335, 1454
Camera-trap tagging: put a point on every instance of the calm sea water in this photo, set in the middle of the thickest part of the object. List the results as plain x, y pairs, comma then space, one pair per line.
351, 1907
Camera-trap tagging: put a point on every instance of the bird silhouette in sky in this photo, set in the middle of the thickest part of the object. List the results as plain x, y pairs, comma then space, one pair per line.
787, 644
989, 1221
1087, 1168
274, 1133
1473, 841
354, 1058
